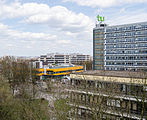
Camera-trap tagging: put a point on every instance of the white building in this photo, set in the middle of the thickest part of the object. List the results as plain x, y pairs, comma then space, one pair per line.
56, 58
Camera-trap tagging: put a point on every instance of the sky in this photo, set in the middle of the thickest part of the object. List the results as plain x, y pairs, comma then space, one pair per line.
35, 27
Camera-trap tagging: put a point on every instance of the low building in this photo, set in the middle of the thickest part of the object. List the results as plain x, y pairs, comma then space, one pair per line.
58, 71
108, 95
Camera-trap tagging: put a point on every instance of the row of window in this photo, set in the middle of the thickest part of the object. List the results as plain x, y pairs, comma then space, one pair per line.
52, 72
104, 101
127, 28
88, 115
141, 39
127, 63
99, 36
99, 62
98, 67
124, 68
142, 51
123, 45
127, 34
99, 46
109, 87
99, 57
99, 41
126, 57
99, 52
98, 30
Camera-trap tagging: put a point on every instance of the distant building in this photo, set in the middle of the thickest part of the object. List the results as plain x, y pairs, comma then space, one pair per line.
56, 58
79, 58
120, 47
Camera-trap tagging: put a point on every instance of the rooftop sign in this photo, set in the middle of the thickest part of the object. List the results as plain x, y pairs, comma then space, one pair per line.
100, 18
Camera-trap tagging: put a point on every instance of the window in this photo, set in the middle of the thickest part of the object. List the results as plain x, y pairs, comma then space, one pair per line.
79, 112
91, 99
83, 97
123, 104
123, 88
117, 103
145, 88
95, 99
134, 106
79, 97
129, 105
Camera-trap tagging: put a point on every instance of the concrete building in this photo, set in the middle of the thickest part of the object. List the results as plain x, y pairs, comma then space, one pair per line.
55, 58
120, 47
79, 58
108, 95
64, 58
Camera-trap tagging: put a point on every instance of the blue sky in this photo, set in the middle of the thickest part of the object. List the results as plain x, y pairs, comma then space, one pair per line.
34, 27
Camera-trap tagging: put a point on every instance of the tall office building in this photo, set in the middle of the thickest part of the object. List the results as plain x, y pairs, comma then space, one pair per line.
120, 47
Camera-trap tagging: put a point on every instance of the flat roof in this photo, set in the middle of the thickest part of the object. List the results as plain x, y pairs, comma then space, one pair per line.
55, 67
125, 74
121, 25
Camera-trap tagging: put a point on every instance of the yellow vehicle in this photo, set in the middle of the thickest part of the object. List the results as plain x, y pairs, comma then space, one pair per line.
59, 71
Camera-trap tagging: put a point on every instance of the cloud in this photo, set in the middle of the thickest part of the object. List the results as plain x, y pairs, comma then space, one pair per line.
16, 9
57, 17
68, 31
63, 41
14, 42
62, 19
103, 3
6, 31
126, 17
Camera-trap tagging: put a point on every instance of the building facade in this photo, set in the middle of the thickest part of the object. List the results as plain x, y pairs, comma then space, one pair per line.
55, 59
121, 47
64, 58
109, 95
79, 58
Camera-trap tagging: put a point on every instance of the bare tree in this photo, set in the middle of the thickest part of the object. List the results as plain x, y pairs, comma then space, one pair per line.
15, 74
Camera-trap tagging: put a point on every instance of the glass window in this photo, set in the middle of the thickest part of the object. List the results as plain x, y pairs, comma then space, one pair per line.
134, 106
123, 104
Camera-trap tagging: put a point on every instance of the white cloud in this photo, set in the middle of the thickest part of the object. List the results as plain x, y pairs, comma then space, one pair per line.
126, 17
62, 19
63, 41
103, 3
14, 42
16, 9
57, 17
7, 32
65, 28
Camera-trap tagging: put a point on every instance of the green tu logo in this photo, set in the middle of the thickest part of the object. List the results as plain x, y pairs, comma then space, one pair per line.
100, 18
